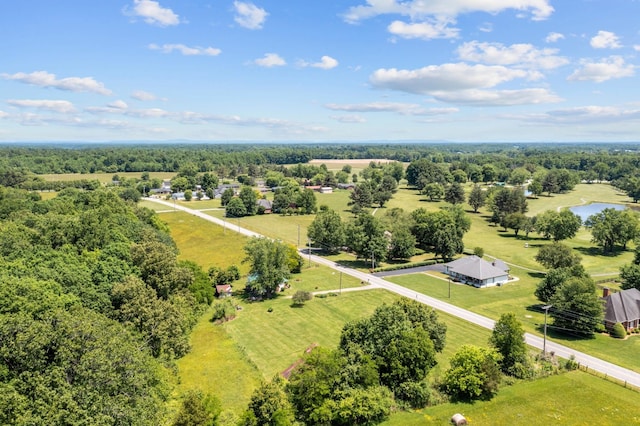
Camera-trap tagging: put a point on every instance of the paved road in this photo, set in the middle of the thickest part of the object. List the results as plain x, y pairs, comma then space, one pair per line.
535, 341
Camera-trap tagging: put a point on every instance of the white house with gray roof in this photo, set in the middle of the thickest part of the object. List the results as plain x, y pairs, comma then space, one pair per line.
477, 272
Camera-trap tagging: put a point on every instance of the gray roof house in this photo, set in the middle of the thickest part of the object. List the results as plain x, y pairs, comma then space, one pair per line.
622, 307
477, 272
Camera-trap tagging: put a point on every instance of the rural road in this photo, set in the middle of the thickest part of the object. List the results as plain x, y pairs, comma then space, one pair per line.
593, 363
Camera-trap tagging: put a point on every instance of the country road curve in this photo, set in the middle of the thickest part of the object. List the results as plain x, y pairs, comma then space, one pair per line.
604, 367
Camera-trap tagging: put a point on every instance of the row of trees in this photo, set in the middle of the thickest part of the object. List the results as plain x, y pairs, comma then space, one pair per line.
394, 236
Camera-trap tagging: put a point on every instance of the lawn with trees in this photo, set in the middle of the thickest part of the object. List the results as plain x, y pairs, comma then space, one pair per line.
152, 294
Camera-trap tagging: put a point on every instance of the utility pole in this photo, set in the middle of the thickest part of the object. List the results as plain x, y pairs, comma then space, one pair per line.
544, 341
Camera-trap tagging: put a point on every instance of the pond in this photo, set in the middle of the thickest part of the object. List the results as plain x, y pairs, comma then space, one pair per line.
588, 209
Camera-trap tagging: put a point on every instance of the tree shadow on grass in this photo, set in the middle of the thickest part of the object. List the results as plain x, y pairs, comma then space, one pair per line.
597, 251
536, 275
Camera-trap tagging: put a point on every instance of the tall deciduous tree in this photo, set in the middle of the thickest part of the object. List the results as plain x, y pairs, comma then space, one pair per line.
477, 198
269, 266
612, 227
577, 306
557, 255
454, 193
560, 226
365, 237
507, 338
327, 230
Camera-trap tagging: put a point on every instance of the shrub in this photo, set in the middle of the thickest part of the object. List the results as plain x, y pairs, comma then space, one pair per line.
415, 394
301, 296
478, 251
223, 310
618, 331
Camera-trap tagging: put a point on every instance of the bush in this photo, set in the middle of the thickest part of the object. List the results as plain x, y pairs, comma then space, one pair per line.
301, 296
223, 311
478, 251
618, 331
415, 394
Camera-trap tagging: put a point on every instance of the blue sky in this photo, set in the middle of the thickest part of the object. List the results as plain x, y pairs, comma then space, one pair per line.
330, 70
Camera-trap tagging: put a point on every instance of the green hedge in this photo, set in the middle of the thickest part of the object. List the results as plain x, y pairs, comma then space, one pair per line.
407, 265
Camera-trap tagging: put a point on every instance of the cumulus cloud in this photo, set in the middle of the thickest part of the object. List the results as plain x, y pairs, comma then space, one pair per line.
326, 63
636, 47
63, 107
423, 30
478, 97
524, 55
446, 77
605, 40
606, 69
250, 16
72, 84
270, 60
186, 50
152, 13
141, 95
417, 9
553, 37
3, 114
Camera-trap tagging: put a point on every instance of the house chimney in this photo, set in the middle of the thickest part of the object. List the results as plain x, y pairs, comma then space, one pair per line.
605, 292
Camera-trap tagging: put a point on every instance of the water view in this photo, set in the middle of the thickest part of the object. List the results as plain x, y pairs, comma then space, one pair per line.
589, 209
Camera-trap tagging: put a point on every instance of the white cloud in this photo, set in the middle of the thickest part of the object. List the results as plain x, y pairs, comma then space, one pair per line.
186, 50
636, 47
119, 104
141, 95
605, 40
486, 27
497, 97
73, 84
348, 118
153, 13
590, 114
62, 107
397, 107
3, 114
270, 60
446, 77
524, 55
423, 30
249, 15
608, 68
148, 113
553, 37
416, 9
326, 63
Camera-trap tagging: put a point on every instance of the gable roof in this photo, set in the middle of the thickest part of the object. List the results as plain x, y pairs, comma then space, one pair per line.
476, 267
264, 203
622, 306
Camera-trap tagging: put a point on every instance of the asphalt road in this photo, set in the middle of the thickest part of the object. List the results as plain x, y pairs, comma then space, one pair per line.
601, 366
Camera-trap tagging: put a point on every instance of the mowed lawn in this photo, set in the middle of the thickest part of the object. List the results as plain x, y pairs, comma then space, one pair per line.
517, 297
574, 398
103, 177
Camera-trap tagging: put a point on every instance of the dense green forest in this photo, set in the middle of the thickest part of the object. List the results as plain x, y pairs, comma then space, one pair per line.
602, 161
94, 307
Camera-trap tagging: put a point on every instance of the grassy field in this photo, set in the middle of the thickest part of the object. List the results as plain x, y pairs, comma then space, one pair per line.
217, 366
205, 243
517, 297
574, 398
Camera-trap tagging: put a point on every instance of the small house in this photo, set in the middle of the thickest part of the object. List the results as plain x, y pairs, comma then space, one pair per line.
622, 307
264, 206
223, 291
477, 272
